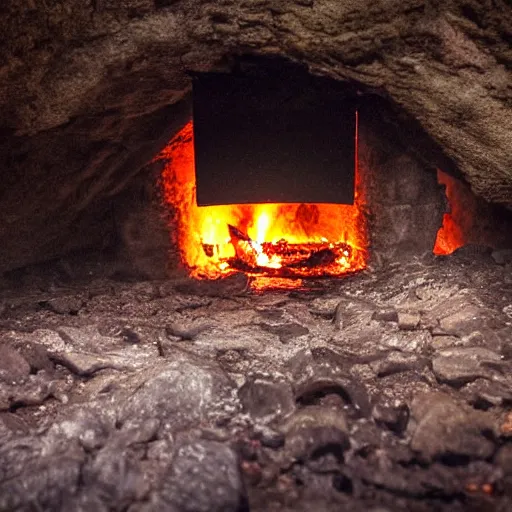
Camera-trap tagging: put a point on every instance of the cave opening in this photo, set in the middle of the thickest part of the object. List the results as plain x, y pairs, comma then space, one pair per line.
401, 206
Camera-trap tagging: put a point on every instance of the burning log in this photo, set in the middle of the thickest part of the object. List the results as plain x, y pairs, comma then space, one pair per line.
317, 259
245, 249
293, 259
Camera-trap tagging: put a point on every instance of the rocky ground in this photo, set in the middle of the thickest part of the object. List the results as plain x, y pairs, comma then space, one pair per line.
389, 390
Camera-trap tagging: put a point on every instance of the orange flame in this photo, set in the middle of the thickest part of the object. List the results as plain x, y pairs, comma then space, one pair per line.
452, 234
206, 244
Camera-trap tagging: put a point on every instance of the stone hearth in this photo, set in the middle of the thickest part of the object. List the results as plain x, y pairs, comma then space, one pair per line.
386, 390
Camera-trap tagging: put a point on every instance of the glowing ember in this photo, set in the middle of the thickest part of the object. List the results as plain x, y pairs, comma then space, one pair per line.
272, 240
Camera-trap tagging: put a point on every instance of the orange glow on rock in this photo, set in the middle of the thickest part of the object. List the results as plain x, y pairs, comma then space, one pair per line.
264, 240
452, 233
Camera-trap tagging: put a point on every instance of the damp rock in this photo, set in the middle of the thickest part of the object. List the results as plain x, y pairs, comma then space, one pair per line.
462, 322
36, 356
503, 459
86, 364
397, 362
413, 341
70, 305
459, 365
30, 474
313, 427
484, 393
385, 315
13, 366
445, 428
408, 321
86, 338
314, 415
502, 256
393, 416
322, 374
263, 397
115, 476
179, 392
286, 332
33, 391
204, 477
268, 437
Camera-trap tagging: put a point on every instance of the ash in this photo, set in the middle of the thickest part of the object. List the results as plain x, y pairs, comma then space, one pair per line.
390, 390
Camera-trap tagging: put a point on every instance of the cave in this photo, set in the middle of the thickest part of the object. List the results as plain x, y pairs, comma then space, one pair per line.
256, 255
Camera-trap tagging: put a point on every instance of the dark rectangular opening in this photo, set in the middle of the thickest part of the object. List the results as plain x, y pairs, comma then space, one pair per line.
272, 138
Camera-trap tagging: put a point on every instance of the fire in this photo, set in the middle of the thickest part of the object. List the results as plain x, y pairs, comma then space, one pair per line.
457, 221
276, 240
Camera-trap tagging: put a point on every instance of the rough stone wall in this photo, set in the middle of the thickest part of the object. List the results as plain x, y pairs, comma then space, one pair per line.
145, 247
405, 202
87, 88
406, 205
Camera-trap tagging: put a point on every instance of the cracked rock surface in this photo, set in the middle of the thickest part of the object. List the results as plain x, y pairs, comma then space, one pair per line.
104, 407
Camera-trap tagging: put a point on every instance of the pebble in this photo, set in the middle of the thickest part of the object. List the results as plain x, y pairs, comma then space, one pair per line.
286, 332
397, 362
385, 315
65, 305
414, 341
408, 321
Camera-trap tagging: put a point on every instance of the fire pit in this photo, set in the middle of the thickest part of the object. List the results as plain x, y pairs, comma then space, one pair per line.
281, 240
